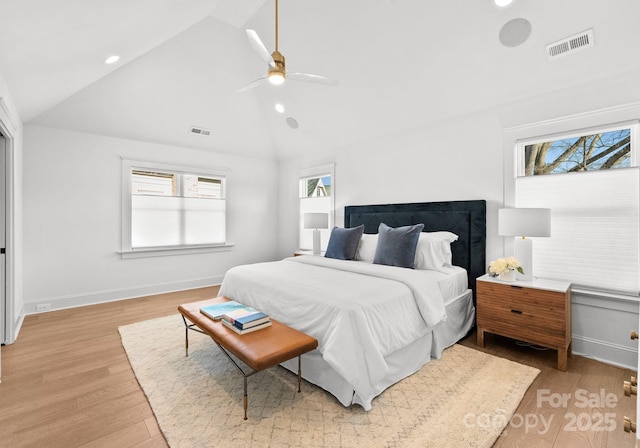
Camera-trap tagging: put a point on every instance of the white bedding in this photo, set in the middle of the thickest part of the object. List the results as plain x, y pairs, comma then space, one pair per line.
359, 312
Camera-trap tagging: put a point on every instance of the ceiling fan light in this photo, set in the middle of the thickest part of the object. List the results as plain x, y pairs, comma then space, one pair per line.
502, 3
276, 78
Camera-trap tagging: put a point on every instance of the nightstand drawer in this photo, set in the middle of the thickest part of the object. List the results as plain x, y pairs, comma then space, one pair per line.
546, 304
518, 324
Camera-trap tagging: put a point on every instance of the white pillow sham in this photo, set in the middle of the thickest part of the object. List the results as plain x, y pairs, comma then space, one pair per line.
433, 251
367, 247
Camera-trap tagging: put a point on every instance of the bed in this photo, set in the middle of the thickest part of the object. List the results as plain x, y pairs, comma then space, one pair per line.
375, 324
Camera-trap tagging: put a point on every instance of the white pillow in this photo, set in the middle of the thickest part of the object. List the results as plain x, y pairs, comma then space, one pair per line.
434, 251
367, 247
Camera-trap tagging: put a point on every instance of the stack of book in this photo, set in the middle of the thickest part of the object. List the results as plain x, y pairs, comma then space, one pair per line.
240, 318
246, 320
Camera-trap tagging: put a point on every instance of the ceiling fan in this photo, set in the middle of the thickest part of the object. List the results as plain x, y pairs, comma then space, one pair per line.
276, 71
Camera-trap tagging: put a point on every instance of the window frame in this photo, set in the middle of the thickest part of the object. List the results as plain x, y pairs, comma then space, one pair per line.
127, 251
317, 171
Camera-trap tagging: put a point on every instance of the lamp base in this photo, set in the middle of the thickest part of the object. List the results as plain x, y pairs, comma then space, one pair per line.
316, 242
522, 249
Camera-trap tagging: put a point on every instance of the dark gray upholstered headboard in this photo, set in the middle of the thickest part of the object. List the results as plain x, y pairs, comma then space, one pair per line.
467, 219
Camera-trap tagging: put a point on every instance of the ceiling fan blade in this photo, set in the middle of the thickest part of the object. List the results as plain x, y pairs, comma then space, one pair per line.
259, 47
252, 84
317, 79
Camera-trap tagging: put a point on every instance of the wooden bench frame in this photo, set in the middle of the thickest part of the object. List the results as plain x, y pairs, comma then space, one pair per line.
258, 350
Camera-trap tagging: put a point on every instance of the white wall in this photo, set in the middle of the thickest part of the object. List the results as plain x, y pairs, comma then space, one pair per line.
455, 160
72, 220
471, 158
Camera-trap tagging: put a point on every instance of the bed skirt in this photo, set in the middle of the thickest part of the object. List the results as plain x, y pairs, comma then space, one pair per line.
401, 363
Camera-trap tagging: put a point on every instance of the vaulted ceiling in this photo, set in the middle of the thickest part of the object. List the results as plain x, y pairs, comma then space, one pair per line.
400, 64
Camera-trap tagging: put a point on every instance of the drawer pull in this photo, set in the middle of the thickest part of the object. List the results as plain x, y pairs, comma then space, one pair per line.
516, 311
630, 389
634, 335
629, 426
516, 286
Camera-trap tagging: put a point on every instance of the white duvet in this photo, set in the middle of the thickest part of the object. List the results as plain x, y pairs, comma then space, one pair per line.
359, 312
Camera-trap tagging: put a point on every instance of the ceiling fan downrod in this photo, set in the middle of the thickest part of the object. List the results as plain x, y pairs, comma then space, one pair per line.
277, 73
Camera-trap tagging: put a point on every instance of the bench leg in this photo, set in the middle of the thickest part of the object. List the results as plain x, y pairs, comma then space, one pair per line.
244, 376
299, 372
186, 336
187, 327
246, 398
186, 341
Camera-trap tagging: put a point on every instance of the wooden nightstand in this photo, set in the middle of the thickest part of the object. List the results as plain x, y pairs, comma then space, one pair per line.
537, 311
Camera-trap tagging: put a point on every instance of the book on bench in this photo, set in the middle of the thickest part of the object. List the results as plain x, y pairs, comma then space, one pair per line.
246, 330
246, 319
216, 310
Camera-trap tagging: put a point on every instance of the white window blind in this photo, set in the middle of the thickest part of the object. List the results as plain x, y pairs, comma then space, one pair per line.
595, 227
171, 207
158, 221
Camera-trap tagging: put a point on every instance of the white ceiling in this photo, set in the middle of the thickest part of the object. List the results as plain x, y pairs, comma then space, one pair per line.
400, 64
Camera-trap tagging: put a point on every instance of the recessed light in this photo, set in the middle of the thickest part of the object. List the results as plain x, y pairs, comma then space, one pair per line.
279, 107
112, 59
502, 3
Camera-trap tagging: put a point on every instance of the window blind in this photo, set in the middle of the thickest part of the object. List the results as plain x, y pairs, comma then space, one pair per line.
595, 227
158, 221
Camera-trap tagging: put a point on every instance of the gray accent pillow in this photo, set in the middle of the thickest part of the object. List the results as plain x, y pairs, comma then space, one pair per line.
397, 246
343, 243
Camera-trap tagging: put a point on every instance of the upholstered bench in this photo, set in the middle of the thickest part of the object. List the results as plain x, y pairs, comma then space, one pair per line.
259, 350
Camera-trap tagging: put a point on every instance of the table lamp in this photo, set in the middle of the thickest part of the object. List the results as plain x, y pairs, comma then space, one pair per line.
316, 221
522, 223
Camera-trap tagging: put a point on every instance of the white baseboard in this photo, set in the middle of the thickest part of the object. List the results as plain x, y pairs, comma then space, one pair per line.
607, 352
92, 298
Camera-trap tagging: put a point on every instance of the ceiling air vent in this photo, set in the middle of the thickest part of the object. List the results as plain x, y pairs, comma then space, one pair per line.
200, 131
570, 44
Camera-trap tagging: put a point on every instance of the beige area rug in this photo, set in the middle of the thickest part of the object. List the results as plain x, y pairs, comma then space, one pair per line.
198, 400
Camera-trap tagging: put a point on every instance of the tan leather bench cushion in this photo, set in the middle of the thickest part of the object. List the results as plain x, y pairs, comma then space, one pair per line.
259, 349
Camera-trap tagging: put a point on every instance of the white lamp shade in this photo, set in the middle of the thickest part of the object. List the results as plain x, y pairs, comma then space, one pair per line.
524, 222
316, 220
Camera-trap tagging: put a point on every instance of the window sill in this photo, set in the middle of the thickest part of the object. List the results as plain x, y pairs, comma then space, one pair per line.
176, 250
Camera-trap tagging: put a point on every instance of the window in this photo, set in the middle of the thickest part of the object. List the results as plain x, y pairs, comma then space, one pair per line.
594, 197
606, 149
315, 187
172, 207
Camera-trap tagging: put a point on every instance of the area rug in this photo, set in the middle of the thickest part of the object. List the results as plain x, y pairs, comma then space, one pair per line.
465, 399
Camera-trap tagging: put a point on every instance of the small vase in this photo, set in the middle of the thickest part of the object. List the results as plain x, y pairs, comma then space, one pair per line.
509, 276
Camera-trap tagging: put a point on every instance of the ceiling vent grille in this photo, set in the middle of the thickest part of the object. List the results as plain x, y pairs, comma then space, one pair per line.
570, 44
200, 131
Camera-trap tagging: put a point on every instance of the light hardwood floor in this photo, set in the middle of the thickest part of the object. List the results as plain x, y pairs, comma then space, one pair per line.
563, 409
67, 383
